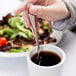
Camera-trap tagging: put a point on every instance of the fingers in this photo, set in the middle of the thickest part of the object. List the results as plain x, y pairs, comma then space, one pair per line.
44, 12
36, 23
54, 12
21, 8
37, 10
26, 19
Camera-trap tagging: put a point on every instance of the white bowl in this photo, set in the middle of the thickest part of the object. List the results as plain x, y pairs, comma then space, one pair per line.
56, 34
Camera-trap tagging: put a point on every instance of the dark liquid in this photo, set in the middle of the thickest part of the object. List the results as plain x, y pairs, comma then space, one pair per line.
46, 58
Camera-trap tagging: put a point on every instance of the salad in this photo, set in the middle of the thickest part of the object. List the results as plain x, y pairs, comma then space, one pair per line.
16, 38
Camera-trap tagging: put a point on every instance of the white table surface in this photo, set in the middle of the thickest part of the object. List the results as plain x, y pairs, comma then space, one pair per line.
68, 44
18, 66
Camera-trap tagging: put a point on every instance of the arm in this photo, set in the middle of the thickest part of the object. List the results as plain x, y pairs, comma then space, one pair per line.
68, 22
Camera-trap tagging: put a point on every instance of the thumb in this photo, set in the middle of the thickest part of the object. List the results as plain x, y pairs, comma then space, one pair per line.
37, 10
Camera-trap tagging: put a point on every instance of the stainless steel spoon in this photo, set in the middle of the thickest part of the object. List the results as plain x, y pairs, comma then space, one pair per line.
33, 21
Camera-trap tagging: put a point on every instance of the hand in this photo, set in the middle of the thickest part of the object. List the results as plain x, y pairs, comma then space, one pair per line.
51, 10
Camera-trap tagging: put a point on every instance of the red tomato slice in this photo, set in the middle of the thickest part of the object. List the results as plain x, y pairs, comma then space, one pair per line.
46, 22
3, 41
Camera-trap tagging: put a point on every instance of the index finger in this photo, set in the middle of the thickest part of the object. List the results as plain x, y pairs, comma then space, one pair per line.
23, 6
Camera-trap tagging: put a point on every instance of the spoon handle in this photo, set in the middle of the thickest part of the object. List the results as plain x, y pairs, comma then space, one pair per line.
33, 20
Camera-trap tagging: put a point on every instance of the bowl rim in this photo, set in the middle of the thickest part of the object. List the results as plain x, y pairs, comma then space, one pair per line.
13, 55
54, 66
